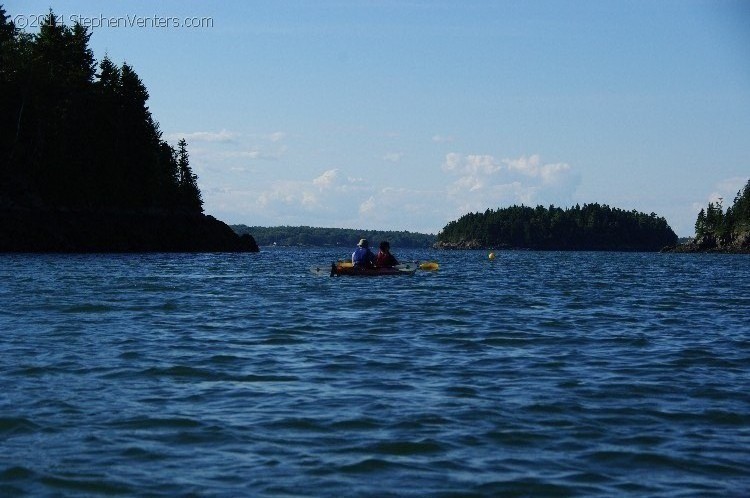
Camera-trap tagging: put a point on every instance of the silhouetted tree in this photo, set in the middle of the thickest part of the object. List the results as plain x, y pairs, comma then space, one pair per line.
188, 181
72, 136
700, 224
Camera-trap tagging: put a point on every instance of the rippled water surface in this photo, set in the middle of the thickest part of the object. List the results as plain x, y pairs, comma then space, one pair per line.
537, 374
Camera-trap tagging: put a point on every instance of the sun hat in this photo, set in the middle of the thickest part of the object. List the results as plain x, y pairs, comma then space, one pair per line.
362, 243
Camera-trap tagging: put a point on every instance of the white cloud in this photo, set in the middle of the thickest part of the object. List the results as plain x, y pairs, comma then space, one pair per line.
554, 173
471, 164
452, 161
526, 165
241, 154
368, 206
253, 153
327, 179
222, 136
482, 164
280, 192
276, 136
309, 200
532, 166
339, 197
487, 182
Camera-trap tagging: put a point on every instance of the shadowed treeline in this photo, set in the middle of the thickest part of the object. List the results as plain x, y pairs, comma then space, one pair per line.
83, 166
79, 135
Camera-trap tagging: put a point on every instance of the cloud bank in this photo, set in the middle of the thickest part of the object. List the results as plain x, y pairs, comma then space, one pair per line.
483, 181
347, 196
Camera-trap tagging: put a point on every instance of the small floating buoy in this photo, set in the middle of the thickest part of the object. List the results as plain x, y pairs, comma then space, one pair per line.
491, 256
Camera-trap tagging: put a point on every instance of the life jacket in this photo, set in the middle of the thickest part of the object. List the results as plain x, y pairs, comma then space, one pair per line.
385, 260
363, 256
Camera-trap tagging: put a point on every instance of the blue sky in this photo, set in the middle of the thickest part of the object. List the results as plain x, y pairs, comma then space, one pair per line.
406, 115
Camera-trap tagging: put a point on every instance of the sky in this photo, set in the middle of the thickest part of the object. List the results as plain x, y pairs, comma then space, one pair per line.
405, 115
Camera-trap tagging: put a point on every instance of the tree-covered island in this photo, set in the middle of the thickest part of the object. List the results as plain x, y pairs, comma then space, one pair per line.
83, 166
720, 231
591, 227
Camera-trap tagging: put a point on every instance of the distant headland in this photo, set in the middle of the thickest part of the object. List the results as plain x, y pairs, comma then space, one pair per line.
305, 236
719, 231
83, 166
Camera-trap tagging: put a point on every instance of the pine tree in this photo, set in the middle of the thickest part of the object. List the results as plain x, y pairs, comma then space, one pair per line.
10, 92
700, 224
741, 207
188, 181
8, 45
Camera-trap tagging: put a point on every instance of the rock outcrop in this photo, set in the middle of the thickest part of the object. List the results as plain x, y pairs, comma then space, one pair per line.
737, 243
463, 244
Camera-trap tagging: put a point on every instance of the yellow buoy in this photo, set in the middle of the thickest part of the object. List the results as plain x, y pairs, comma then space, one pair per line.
492, 256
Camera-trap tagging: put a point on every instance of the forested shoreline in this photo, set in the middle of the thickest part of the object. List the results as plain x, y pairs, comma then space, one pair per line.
78, 141
306, 236
717, 230
592, 227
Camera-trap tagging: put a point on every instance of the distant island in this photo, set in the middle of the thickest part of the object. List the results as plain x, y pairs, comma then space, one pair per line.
591, 227
719, 231
83, 166
305, 236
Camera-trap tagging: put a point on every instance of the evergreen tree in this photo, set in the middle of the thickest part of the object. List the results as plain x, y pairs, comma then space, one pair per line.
741, 208
8, 47
188, 181
700, 224
77, 137
109, 77
10, 97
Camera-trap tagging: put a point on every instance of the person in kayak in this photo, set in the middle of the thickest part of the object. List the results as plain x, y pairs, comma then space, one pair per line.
363, 256
384, 258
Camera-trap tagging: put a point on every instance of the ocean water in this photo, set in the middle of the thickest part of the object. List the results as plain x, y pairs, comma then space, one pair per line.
536, 374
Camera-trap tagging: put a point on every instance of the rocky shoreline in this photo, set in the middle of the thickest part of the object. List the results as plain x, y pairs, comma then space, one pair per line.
462, 245
737, 244
476, 245
77, 231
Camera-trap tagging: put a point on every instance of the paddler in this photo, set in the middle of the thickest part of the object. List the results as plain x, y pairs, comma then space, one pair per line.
384, 258
363, 256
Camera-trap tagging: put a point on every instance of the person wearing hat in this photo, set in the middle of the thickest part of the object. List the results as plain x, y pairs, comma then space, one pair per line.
363, 256
384, 258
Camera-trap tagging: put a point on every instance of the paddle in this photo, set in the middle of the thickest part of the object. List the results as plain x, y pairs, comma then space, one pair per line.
427, 265
321, 269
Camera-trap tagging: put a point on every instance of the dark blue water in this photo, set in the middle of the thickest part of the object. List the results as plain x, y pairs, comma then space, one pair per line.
537, 374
